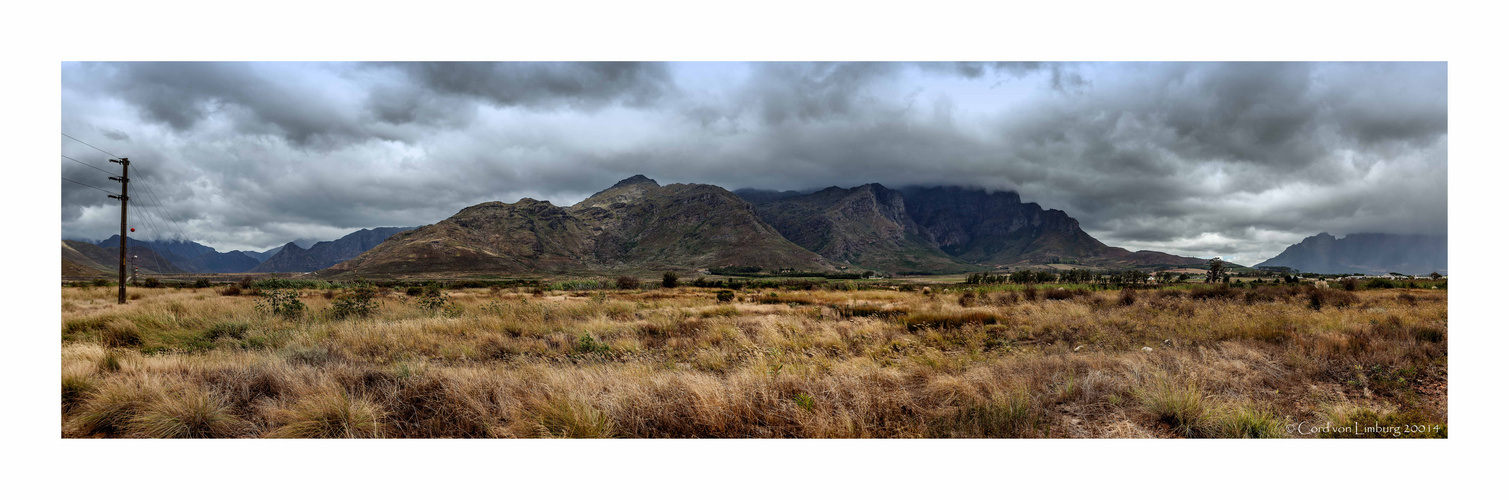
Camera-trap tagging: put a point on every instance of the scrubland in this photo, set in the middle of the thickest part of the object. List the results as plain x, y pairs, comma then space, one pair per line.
1204, 362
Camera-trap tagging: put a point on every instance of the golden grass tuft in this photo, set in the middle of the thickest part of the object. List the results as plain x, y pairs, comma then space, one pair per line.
329, 414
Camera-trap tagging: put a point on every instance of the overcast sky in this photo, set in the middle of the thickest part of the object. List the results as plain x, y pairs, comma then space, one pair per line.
1200, 159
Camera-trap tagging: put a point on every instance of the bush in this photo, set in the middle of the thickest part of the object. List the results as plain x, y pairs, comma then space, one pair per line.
231, 291
627, 283
968, 299
1058, 294
359, 302
1322, 297
436, 301
414, 291
725, 295
151, 283
1218, 292
1349, 284
1128, 297
202, 283
1029, 293
283, 303
669, 280
102, 282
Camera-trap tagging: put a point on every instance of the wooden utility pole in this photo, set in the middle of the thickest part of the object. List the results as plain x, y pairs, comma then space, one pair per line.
124, 179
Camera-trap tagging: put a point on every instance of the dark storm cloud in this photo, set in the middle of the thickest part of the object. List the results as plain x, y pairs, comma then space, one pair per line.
545, 84
1201, 159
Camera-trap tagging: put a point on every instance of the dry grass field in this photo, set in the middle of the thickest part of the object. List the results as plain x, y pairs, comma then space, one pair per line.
1224, 363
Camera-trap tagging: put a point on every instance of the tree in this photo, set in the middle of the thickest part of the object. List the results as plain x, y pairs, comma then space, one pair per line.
1217, 273
669, 280
1435, 275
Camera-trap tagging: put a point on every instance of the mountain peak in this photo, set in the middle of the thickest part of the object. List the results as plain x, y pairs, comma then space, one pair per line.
636, 179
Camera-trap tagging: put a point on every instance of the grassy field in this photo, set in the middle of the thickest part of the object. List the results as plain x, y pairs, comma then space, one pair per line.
1195, 362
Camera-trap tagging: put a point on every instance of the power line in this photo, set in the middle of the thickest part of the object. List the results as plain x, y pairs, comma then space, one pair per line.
90, 166
163, 209
112, 155
87, 186
155, 245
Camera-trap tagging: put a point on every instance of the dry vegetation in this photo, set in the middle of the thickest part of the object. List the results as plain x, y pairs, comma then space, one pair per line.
682, 363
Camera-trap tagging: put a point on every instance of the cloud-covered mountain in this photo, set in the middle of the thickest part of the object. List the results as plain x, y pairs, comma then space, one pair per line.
1366, 253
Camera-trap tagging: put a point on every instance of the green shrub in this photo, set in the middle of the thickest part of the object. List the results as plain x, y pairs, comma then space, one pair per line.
283, 303
358, 302
587, 344
436, 301
151, 283
627, 283
202, 283
669, 280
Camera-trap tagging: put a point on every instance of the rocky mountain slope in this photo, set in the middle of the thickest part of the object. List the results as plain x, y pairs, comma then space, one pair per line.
295, 258
866, 226
635, 224
940, 230
1367, 253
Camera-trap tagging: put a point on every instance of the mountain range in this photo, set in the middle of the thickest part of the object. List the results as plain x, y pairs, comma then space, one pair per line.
84, 259
1366, 253
640, 224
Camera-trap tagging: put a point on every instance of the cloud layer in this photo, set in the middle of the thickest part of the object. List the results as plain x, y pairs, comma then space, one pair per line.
1202, 159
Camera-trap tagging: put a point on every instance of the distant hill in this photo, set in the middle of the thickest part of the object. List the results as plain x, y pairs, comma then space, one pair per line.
263, 255
81, 257
635, 224
1367, 253
294, 257
189, 256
